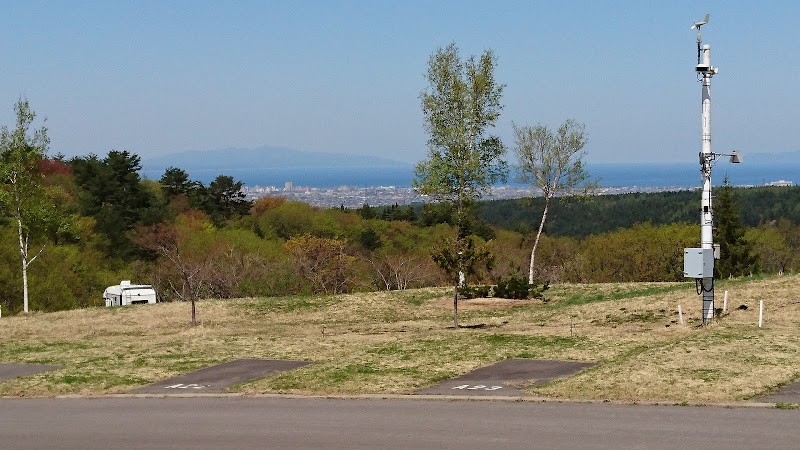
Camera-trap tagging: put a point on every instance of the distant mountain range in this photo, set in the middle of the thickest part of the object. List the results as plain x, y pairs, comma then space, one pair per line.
274, 166
286, 158
267, 158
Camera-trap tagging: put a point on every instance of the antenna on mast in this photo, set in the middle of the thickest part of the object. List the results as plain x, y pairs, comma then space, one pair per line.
699, 40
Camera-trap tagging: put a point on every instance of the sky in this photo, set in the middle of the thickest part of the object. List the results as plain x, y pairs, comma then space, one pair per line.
160, 77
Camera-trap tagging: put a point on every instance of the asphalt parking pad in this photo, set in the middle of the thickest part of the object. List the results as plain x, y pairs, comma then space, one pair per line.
217, 379
787, 394
500, 379
14, 370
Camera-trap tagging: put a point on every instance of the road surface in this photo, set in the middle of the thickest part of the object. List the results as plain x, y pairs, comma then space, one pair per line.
248, 422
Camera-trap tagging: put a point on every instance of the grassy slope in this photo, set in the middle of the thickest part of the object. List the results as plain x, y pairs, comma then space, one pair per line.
398, 342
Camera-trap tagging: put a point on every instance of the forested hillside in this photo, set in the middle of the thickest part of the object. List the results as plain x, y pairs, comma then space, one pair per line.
192, 240
599, 214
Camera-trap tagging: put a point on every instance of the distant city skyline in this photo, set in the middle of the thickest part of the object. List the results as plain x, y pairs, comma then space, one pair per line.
159, 77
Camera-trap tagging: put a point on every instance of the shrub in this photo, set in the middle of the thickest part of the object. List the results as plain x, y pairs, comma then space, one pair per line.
467, 292
517, 287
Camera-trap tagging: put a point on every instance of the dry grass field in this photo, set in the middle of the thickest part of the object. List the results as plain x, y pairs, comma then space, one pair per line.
398, 342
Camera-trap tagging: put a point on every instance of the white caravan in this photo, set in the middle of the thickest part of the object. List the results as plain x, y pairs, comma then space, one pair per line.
126, 293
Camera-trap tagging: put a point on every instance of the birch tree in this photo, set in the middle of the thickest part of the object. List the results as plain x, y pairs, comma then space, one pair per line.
23, 195
552, 160
460, 105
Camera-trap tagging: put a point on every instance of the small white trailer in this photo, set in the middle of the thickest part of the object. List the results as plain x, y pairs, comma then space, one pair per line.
125, 294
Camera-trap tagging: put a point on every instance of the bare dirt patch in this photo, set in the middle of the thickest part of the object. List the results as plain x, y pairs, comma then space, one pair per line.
478, 304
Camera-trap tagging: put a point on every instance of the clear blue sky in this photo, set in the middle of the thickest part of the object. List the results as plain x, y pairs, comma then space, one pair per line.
157, 77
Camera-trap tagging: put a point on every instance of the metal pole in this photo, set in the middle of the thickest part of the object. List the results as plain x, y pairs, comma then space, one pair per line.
706, 71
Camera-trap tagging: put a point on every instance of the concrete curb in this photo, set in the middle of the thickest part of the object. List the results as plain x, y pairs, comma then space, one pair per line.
418, 397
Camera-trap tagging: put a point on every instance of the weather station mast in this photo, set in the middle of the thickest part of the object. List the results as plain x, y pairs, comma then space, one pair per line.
698, 263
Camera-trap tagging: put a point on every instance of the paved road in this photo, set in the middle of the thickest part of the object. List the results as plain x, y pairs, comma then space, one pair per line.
240, 423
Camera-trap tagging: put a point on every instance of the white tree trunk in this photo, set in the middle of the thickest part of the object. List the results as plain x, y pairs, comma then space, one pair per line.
23, 254
536, 241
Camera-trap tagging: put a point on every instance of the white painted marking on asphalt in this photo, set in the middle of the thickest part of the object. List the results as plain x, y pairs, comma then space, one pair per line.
185, 386
477, 387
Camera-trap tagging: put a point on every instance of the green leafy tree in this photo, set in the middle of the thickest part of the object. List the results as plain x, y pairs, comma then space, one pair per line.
771, 248
23, 194
287, 220
551, 160
460, 105
736, 252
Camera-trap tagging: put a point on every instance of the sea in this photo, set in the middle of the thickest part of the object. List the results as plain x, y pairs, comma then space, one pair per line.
642, 175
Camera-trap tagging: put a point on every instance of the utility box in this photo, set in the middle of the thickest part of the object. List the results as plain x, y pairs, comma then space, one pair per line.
698, 263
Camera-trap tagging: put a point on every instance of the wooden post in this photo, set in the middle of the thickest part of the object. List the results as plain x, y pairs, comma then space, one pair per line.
760, 313
680, 315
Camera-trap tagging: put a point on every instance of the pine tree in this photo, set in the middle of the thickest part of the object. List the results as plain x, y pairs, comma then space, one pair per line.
736, 253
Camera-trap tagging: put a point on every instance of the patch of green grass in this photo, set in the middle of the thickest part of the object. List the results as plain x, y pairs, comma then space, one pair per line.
399, 351
729, 282
584, 299
542, 342
419, 298
527, 355
321, 374
102, 379
408, 350
351, 370
783, 405
188, 364
707, 375
42, 361
12, 349
288, 304
486, 347
356, 376
76, 379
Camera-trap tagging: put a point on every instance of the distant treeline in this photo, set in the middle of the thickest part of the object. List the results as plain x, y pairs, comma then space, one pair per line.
192, 240
604, 213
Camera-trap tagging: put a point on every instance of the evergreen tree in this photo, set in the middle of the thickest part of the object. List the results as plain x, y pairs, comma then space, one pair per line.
366, 212
176, 182
736, 253
114, 195
225, 200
